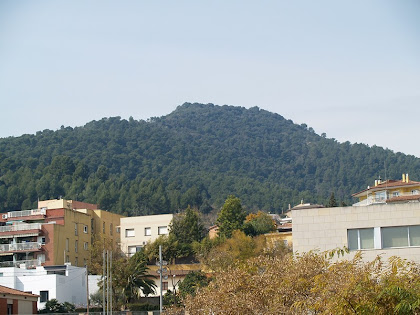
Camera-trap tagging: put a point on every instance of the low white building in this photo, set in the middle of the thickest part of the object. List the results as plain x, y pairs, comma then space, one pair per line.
137, 231
65, 283
388, 229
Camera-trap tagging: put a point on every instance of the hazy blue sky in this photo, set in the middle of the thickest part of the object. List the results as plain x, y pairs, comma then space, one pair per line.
347, 68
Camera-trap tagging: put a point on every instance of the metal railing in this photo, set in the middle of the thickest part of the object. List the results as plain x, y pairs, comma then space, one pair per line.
21, 263
26, 213
20, 227
381, 199
20, 246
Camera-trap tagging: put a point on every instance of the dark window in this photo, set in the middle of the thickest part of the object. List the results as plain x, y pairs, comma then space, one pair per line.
164, 285
43, 296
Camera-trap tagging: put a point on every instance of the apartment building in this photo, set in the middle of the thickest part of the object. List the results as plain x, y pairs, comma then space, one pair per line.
59, 231
137, 231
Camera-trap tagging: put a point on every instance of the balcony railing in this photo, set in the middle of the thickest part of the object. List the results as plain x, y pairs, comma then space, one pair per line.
381, 199
25, 213
20, 227
28, 246
27, 264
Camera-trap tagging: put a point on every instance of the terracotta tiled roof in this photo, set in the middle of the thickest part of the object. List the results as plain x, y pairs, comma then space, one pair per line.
6, 290
390, 183
403, 198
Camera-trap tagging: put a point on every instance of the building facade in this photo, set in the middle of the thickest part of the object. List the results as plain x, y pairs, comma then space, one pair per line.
17, 302
65, 283
387, 229
137, 231
389, 191
59, 231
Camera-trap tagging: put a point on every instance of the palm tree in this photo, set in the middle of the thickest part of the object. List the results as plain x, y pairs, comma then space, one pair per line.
131, 278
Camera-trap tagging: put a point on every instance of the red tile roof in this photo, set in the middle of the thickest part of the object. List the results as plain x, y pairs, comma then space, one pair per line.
7, 290
403, 198
390, 183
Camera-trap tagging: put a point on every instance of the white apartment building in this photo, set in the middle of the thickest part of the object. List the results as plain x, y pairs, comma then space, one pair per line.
65, 283
137, 231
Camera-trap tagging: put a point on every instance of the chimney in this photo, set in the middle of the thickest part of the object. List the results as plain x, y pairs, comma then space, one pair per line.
406, 178
403, 178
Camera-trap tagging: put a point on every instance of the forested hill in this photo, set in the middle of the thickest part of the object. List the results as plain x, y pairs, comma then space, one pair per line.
197, 155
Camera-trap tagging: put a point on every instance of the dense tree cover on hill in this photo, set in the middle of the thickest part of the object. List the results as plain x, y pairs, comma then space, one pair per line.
197, 155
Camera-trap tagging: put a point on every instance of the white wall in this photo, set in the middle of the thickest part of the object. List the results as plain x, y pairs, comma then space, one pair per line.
70, 288
326, 228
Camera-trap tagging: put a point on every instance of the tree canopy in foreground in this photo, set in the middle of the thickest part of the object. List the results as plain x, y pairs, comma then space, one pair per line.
312, 283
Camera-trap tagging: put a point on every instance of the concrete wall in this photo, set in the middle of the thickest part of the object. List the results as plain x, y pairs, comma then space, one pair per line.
326, 228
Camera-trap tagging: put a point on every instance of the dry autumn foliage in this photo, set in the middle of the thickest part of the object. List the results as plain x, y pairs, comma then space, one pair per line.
311, 283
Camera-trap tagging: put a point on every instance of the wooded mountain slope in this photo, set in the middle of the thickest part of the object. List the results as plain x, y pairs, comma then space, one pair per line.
197, 155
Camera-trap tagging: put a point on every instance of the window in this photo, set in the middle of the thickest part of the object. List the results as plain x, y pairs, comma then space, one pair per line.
415, 192
43, 240
395, 194
1, 274
400, 236
103, 227
129, 233
75, 229
67, 244
111, 228
380, 196
164, 285
162, 230
43, 296
133, 249
360, 239
76, 261
67, 259
148, 231
118, 230
86, 245
76, 245
85, 229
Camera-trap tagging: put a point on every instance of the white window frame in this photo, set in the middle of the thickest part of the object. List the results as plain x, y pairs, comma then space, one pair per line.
148, 231
165, 228
130, 233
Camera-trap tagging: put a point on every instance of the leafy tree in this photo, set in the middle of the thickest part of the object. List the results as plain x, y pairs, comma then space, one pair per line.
187, 227
231, 217
234, 250
192, 282
53, 306
311, 283
259, 223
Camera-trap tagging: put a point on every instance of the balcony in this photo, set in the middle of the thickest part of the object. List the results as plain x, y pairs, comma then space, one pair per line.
20, 247
25, 214
24, 229
24, 264
373, 200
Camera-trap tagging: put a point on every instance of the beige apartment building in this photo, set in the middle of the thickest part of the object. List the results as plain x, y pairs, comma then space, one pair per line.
59, 231
385, 222
137, 231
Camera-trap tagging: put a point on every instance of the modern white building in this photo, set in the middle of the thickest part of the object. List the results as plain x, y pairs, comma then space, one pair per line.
65, 283
137, 231
387, 229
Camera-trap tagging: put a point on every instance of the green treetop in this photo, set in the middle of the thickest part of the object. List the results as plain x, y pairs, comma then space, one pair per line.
231, 217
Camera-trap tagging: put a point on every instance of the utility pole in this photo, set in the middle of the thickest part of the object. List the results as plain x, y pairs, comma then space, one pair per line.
110, 279
107, 282
160, 274
103, 282
87, 290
